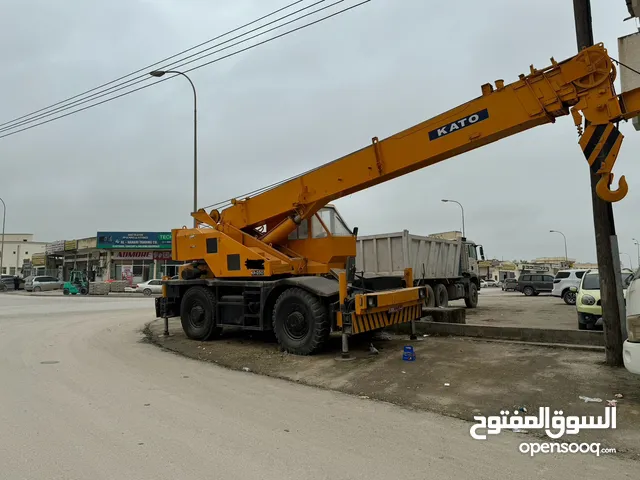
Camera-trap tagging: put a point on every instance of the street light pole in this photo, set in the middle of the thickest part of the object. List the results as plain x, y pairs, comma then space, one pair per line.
160, 73
637, 245
4, 217
461, 208
566, 257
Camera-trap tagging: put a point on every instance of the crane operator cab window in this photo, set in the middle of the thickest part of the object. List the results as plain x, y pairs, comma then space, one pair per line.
326, 221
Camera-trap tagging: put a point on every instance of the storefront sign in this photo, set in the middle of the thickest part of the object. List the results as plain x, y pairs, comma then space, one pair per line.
134, 240
54, 247
70, 245
87, 243
536, 268
507, 266
37, 259
133, 256
138, 255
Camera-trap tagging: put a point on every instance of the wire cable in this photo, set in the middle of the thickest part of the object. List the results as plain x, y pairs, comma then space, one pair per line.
29, 127
145, 69
626, 66
144, 78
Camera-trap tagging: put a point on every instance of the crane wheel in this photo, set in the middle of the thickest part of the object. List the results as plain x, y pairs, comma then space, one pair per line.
471, 300
442, 296
300, 322
197, 314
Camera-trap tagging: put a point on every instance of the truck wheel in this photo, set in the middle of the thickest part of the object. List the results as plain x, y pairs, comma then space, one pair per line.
83, 291
569, 297
430, 302
197, 314
442, 296
528, 291
471, 300
300, 322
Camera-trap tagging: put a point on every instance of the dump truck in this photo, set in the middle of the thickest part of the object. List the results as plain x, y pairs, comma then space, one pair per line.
278, 259
447, 268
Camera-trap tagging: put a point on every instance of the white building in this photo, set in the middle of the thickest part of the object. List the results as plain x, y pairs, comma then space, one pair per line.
18, 247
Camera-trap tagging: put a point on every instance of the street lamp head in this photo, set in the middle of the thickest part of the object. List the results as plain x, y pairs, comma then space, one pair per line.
443, 200
157, 73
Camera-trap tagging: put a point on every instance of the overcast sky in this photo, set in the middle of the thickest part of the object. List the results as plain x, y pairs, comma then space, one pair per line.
291, 105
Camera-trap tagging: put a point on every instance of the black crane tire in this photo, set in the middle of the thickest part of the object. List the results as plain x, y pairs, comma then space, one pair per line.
197, 314
300, 322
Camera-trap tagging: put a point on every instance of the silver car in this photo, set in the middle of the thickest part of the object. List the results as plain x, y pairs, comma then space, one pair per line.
42, 284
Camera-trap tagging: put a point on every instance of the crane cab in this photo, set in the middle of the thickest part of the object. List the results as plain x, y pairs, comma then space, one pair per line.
324, 239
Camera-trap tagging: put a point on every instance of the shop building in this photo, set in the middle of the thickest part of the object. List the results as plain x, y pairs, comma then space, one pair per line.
138, 256
18, 248
132, 256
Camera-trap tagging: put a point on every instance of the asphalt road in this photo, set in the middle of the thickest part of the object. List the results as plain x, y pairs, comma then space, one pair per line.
81, 397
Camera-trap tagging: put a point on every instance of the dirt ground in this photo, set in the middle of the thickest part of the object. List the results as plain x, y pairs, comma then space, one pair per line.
499, 308
458, 377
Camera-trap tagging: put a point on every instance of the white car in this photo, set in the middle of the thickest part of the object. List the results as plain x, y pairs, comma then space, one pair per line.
483, 284
491, 283
631, 347
149, 287
562, 283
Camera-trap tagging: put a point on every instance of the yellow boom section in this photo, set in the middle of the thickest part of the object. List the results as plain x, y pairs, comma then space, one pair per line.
582, 84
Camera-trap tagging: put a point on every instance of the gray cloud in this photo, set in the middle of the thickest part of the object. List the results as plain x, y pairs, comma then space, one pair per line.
289, 106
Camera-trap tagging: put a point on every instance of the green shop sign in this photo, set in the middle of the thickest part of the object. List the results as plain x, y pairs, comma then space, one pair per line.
134, 240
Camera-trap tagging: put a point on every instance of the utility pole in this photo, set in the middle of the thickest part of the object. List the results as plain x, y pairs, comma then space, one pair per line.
614, 328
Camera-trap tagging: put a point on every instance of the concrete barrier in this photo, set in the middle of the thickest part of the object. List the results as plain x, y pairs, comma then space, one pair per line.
446, 315
522, 334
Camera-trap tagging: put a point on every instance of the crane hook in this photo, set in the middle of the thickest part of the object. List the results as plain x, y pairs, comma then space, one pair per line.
603, 188
602, 143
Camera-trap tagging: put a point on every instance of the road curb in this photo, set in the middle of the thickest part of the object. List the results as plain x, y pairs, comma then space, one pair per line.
566, 338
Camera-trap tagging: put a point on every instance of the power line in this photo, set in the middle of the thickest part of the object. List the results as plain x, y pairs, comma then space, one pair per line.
145, 69
145, 77
191, 69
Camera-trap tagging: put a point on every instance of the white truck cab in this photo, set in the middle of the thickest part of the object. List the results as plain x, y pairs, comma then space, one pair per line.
631, 347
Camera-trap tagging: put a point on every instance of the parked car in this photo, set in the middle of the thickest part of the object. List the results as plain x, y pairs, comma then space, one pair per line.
149, 287
509, 284
631, 346
491, 283
588, 299
6, 282
565, 279
42, 284
535, 283
483, 284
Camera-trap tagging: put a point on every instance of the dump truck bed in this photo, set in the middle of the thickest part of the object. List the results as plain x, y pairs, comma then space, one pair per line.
390, 253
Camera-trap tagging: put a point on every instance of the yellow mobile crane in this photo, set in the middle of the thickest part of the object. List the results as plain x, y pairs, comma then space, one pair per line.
282, 260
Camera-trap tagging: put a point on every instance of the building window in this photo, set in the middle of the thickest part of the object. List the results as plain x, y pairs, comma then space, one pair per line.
12, 270
4, 270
